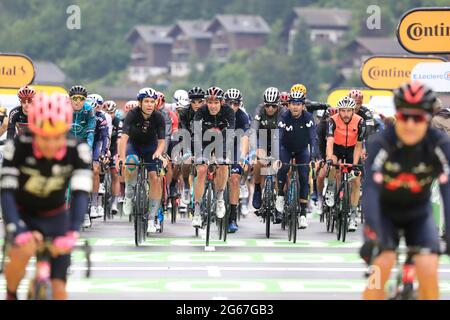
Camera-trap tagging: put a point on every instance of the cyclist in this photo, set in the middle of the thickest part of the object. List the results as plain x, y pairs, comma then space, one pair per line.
265, 122
100, 150
233, 98
143, 137
345, 135
117, 124
214, 116
284, 99
186, 115
84, 119
402, 163
33, 192
18, 117
130, 105
297, 132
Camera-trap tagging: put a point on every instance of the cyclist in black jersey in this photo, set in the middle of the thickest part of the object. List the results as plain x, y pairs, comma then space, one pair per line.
34, 178
18, 117
143, 136
214, 119
402, 163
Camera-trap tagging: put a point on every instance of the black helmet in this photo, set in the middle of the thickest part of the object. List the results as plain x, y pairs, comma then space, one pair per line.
215, 93
196, 93
414, 95
78, 90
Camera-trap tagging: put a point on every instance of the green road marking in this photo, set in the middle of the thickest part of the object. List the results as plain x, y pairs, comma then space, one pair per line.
218, 257
229, 285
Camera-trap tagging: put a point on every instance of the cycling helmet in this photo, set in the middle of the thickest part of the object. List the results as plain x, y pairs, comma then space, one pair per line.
284, 97
50, 115
271, 95
196, 93
233, 95
297, 96
160, 100
95, 100
356, 95
26, 92
299, 87
146, 93
214, 93
78, 90
131, 105
110, 106
346, 103
181, 99
414, 95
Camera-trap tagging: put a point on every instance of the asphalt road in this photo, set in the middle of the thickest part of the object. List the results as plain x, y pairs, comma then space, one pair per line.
175, 265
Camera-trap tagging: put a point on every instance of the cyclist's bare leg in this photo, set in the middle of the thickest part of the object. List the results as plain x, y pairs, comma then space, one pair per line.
59, 289
200, 183
427, 274
18, 261
96, 182
257, 178
356, 185
155, 186
382, 267
321, 180
221, 178
185, 172
115, 183
234, 188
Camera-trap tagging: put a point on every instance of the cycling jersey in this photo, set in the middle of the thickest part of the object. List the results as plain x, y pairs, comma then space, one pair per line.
186, 119
243, 123
346, 134
109, 124
312, 106
83, 124
321, 133
117, 126
297, 133
262, 120
18, 123
145, 132
101, 137
36, 186
223, 120
398, 182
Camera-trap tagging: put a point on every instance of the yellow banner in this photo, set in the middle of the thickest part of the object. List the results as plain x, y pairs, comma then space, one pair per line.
336, 95
389, 72
15, 71
425, 30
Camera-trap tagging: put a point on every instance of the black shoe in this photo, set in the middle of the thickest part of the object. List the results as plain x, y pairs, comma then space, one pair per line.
278, 217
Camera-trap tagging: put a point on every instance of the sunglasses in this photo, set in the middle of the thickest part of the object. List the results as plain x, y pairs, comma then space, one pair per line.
417, 118
196, 101
24, 101
78, 98
274, 106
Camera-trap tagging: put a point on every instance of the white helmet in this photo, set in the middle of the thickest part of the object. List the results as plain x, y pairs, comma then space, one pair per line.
181, 99
271, 95
94, 100
346, 103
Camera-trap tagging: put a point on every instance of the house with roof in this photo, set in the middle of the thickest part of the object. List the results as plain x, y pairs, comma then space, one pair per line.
326, 25
48, 73
190, 39
237, 32
151, 52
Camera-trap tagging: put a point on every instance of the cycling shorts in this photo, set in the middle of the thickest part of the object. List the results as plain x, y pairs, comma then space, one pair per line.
145, 152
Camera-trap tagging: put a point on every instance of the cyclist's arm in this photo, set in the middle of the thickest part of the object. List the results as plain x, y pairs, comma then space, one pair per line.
161, 135
445, 191
123, 146
92, 121
9, 183
245, 141
313, 140
359, 145
11, 130
80, 185
331, 126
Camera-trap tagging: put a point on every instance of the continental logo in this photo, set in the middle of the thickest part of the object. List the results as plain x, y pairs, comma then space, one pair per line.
417, 31
389, 72
425, 31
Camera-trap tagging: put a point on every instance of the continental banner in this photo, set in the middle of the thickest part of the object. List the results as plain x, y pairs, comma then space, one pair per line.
389, 72
15, 71
425, 31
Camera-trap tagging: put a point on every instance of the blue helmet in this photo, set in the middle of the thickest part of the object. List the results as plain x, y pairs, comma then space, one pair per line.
94, 100
146, 93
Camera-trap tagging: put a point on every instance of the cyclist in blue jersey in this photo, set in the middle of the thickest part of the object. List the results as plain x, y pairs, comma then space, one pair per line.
100, 150
83, 124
